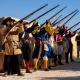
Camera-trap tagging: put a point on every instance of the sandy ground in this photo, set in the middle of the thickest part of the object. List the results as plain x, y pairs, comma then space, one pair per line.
69, 71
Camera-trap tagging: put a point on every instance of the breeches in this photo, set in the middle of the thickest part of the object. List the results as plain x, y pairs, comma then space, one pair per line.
36, 52
47, 51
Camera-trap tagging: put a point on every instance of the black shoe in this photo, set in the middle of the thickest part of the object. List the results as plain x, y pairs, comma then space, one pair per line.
5, 74
61, 63
20, 74
46, 69
28, 71
35, 69
72, 60
39, 67
54, 65
67, 62
9, 73
49, 67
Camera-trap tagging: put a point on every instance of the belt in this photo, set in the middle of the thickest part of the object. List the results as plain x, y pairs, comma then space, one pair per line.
45, 41
37, 43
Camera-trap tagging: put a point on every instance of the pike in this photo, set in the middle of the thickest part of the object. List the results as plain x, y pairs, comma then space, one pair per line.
56, 19
66, 16
54, 15
74, 25
70, 17
44, 13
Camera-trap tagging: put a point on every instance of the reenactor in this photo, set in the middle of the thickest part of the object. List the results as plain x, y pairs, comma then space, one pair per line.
37, 42
26, 46
65, 43
48, 53
58, 47
42, 47
68, 36
11, 46
78, 44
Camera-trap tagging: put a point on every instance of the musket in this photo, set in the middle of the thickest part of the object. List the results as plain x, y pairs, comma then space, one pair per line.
54, 15
76, 30
66, 16
74, 25
26, 17
56, 20
44, 13
70, 17
30, 14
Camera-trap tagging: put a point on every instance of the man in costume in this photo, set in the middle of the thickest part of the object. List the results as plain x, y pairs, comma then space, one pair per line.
42, 47
11, 46
26, 46
78, 44
58, 46
68, 36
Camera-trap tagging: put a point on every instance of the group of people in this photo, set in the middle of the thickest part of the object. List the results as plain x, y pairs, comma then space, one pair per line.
49, 43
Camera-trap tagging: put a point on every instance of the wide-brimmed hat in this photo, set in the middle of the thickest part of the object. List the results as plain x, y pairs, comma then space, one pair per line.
7, 19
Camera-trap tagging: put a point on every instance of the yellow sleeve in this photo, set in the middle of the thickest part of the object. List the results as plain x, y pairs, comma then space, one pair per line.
35, 31
49, 29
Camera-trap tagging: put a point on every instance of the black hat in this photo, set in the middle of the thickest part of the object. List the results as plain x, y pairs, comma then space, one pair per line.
7, 19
